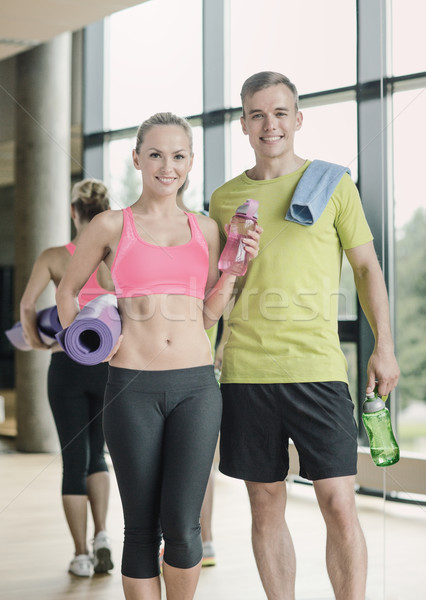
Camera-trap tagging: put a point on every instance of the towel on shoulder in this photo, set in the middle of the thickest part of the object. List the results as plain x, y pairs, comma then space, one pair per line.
313, 191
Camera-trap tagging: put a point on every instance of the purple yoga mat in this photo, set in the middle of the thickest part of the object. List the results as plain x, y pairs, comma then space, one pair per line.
94, 332
48, 326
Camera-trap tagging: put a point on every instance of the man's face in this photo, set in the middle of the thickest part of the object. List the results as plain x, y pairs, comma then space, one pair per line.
270, 121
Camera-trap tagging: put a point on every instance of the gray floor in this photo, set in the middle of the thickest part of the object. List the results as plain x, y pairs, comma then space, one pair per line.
35, 546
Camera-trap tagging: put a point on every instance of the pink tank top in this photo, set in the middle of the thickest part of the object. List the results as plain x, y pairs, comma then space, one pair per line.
142, 269
91, 288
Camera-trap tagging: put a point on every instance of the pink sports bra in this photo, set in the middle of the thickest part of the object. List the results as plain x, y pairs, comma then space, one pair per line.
91, 288
142, 269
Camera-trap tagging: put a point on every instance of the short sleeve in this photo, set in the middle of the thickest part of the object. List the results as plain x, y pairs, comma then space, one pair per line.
350, 222
215, 213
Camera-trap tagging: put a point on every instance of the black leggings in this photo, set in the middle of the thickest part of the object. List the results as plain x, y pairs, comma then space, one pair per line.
76, 394
161, 428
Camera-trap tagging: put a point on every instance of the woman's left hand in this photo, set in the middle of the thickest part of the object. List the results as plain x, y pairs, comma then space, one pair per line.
251, 241
114, 350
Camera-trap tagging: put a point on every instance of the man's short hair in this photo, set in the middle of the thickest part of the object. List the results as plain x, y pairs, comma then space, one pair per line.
265, 79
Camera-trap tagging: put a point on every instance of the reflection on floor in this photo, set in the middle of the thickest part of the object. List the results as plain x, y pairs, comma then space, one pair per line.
36, 547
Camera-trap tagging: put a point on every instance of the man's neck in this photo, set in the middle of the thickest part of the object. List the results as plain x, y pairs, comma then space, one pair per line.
270, 169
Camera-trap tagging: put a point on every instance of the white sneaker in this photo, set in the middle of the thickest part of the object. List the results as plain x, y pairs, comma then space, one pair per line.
81, 565
209, 555
102, 553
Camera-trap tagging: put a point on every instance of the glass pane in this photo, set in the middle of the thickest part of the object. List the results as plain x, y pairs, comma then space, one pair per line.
408, 43
242, 155
194, 195
316, 53
124, 181
410, 254
154, 61
329, 132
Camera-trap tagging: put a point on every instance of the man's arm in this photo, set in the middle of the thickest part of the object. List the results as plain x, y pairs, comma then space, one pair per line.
373, 297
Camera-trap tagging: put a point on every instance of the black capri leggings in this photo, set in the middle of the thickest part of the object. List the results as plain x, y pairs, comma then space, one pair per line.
161, 428
76, 394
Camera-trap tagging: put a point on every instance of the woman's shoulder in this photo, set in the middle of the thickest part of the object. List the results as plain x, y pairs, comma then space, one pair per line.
109, 216
54, 260
109, 220
53, 254
207, 225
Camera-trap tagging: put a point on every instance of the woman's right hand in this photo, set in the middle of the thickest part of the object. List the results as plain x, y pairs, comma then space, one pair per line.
115, 349
34, 341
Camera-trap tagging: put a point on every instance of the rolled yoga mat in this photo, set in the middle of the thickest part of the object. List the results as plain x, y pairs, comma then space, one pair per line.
48, 326
94, 332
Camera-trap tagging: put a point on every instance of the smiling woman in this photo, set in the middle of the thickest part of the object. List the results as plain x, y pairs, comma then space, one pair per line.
163, 406
170, 164
124, 179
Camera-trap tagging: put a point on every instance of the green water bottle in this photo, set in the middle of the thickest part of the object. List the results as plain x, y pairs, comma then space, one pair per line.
384, 448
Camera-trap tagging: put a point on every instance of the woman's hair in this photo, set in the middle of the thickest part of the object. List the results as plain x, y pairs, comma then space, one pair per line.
89, 198
163, 118
183, 187
265, 79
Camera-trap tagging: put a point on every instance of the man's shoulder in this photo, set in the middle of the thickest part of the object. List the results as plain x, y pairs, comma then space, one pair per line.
231, 184
346, 187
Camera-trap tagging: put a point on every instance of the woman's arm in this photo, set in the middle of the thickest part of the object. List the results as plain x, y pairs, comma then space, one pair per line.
39, 280
93, 246
217, 299
219, 291
218, 359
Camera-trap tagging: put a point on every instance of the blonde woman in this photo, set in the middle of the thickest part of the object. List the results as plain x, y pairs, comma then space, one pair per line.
162, 404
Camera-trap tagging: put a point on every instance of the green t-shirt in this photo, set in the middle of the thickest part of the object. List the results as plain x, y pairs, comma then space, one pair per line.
283, 327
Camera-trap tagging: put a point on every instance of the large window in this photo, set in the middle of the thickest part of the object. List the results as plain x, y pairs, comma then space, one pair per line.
154, 62
410, 222
329, 132
313, 43
408, 40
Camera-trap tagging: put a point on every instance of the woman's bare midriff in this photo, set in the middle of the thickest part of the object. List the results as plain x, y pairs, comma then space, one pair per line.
161, 332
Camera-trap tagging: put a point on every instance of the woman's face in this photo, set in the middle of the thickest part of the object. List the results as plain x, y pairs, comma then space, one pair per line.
164, 158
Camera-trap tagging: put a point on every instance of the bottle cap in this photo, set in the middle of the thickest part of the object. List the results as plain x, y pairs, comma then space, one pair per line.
248, 209
373, 403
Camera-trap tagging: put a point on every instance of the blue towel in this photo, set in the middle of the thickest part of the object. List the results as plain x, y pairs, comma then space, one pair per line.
313, 191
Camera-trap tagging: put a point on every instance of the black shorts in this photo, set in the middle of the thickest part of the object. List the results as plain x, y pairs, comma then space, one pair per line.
258, 420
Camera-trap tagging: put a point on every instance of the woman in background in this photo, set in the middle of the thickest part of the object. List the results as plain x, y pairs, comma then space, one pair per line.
76, 393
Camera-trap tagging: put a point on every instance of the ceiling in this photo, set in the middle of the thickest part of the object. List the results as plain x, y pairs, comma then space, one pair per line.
25, 24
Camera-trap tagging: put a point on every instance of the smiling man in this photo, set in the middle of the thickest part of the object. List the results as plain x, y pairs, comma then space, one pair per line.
284, 374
